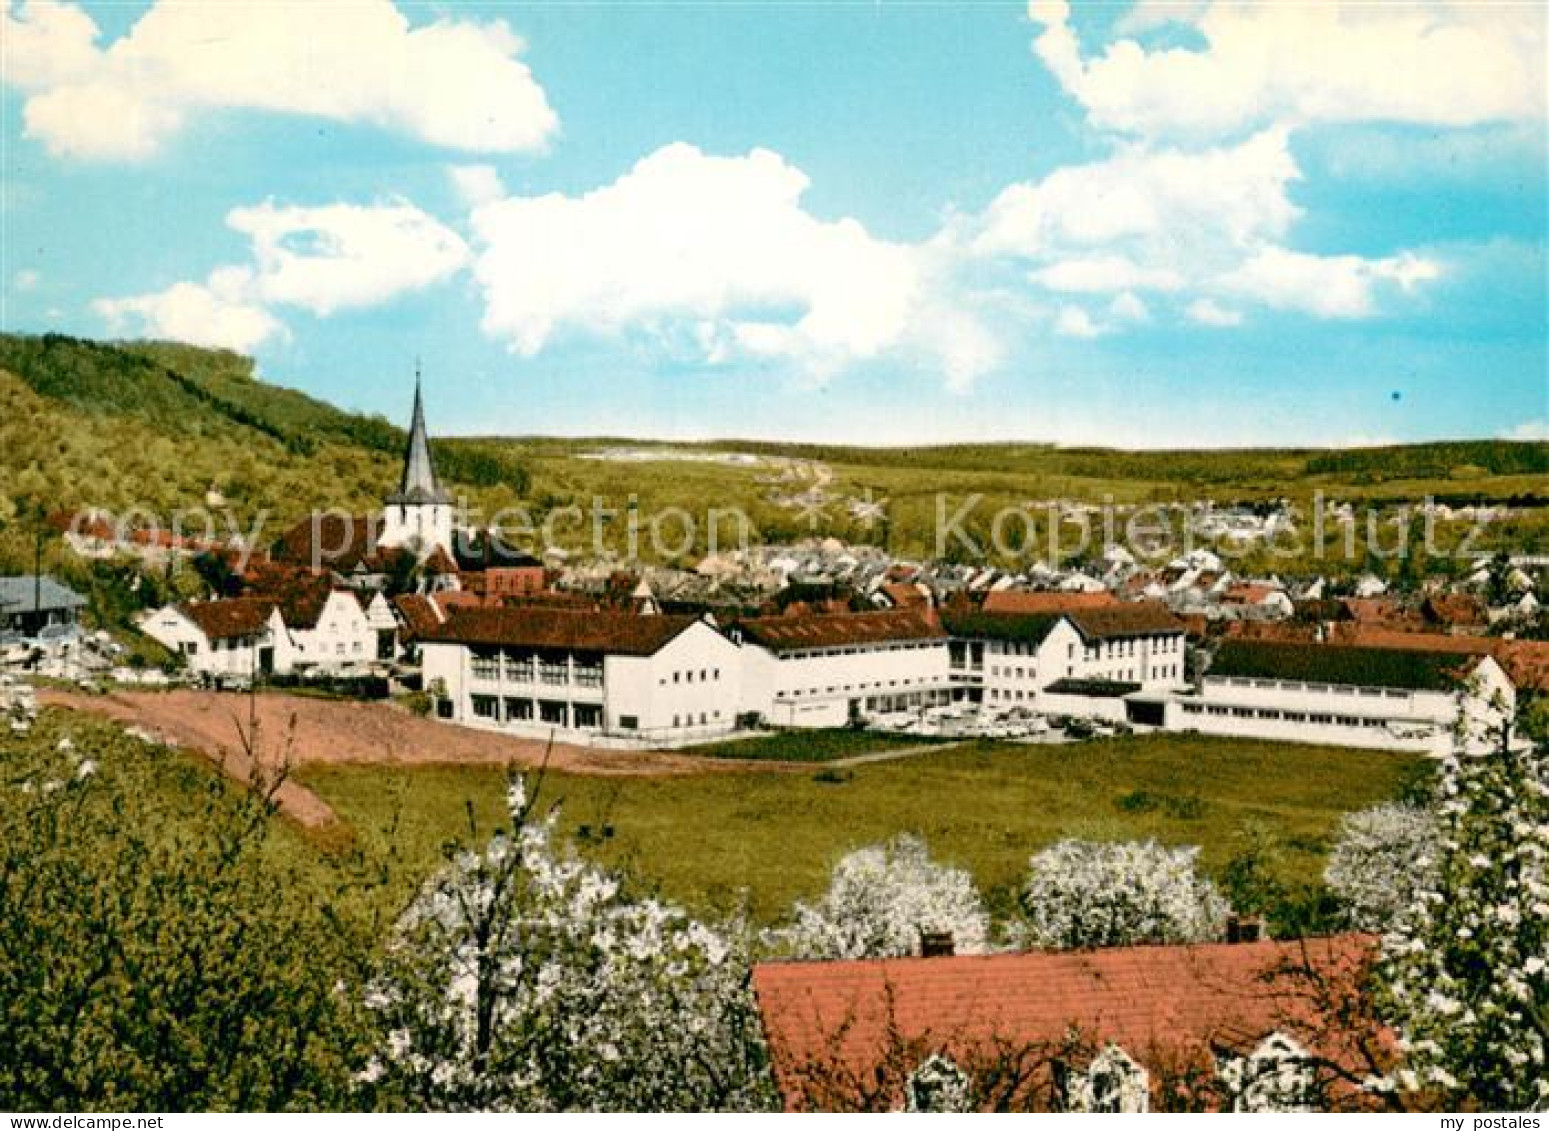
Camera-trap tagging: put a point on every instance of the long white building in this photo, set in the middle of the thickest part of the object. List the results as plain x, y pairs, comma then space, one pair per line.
824, 671
1377, 698
583, 675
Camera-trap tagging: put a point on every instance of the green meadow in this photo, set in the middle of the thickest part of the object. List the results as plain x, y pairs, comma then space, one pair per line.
761, 840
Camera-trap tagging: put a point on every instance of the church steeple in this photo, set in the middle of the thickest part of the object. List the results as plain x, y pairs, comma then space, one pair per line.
419, 484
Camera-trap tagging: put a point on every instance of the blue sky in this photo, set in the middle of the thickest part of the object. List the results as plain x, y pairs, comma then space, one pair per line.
1139, 225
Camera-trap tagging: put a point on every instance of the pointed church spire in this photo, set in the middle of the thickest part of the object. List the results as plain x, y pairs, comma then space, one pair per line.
419, 483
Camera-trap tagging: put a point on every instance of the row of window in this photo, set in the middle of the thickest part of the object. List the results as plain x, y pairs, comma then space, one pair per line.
706, 675
514, 709
1300, 685
555, 670
705, 719
884, 704
1133, 646
836, 689
1319, 718
865, 650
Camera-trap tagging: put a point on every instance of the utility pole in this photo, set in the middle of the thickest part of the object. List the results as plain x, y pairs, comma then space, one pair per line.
37, 568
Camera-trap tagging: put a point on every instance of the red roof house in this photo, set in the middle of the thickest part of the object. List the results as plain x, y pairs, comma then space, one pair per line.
1023, 1027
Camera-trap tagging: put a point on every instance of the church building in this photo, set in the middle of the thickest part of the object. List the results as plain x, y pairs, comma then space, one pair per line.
419, 513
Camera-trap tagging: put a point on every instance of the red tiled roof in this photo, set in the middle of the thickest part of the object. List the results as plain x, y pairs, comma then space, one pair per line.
1526, 662
1455, 610
798, 633
418, 612
573, 630
1180, 1002
1018, 601
905, 595
1137, 618
229, 619
1249, 593
329, 541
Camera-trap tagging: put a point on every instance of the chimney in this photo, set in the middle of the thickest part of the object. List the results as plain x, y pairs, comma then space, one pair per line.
936, 944
1244, 929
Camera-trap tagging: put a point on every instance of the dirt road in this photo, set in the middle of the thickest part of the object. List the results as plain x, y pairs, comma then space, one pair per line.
301, 730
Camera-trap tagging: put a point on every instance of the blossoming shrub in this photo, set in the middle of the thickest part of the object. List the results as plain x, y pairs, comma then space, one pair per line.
156, 954
524, 979
1383, 857
879, 902
1085, 893
1464, 974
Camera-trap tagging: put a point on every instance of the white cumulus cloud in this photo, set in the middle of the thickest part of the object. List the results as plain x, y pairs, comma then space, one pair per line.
1441, 63
1328, 286
1166, 201
454, 83
1536, 431
219, 313
1208, 312
323, 259
1189, 226
346, 255
1075, 322
719, 254
476, 184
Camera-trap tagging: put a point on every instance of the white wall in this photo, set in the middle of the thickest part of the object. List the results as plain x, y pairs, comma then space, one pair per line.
1374, 718
694, 681
428, 524
815, 688
342, 638
232, 659
689, 688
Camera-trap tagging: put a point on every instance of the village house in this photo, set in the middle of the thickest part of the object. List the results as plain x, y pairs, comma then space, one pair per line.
31, 605
1250, 1026
826, 670
581, 674
1378, 698
318, 630
235, 639
327, 629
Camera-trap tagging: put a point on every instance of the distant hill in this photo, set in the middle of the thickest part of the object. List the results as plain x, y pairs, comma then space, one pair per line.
156, 425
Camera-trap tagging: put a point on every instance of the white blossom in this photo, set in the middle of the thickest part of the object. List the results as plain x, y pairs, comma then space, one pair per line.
522, 978
881, 900
1083, 893
1382, 859
1463, 966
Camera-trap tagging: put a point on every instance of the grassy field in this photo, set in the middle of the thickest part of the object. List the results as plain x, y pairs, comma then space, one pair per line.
717, 840
813, 745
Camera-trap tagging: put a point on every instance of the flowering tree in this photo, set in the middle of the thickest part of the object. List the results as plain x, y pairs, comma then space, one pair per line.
1463, 973
880, 901
523, 978
1384, 857
155, 952
1082, 893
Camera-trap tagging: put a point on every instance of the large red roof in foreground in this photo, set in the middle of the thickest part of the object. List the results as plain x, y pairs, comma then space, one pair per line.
1177, 1002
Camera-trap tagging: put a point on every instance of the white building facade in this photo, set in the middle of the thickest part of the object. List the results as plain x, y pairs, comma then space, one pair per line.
1073, 662
584, 676
221, 640
824, 671
328, 634
1371, 698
